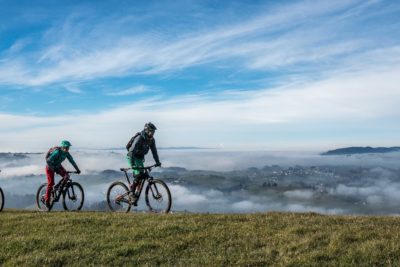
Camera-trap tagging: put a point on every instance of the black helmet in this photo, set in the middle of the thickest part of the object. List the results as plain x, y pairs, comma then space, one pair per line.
150, 128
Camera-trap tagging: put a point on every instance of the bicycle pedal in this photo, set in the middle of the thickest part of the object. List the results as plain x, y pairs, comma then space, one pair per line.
132, 200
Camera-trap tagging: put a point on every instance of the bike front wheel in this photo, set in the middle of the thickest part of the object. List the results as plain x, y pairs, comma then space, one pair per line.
40, 196
158, 197
118, 197
1, 200
73, 197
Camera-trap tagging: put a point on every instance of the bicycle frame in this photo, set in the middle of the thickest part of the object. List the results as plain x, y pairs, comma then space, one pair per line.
139, 188
156, 193
59, 188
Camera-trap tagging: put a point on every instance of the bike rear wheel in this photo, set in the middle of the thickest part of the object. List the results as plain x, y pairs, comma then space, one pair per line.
1, 200
40, 195
158, 196
73, 197
118, 197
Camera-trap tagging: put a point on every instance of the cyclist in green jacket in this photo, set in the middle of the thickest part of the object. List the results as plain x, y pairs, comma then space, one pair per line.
138, 146
54, 158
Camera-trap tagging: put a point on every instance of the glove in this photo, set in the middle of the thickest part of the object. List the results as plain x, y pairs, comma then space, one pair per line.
78, 171
158, 164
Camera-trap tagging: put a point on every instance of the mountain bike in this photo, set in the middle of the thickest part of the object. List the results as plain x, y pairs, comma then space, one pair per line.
72, 195
1, 199
121, 198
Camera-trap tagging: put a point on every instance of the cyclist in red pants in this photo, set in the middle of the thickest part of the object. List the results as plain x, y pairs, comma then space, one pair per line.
54, 158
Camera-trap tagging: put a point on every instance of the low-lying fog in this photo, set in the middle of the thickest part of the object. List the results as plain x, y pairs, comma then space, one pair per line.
230, 181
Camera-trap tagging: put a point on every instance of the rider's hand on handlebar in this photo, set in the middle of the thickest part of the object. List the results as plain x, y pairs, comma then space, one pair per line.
158, 164
78, 171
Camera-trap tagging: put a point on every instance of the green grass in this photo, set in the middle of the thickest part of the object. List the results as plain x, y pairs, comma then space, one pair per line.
279, 239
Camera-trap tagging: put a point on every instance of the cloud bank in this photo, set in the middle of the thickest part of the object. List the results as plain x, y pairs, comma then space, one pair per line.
201, 121
363, 184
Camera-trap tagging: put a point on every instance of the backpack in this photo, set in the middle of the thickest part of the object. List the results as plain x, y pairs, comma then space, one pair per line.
128, 146
51, 150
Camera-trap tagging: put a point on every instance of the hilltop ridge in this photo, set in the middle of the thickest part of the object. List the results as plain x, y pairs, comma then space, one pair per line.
360, 150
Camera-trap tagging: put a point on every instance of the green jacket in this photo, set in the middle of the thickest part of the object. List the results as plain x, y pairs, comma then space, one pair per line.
57, 157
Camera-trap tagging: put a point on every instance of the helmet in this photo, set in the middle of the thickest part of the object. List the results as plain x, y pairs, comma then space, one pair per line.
150, 127
65, 143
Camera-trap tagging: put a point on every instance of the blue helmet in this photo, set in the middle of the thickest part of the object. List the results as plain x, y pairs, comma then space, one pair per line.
65, 143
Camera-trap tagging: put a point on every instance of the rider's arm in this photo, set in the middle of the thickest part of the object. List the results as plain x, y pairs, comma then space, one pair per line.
71, 160
154, 152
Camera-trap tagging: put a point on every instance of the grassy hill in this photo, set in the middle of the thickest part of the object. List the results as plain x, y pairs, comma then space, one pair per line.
109, 239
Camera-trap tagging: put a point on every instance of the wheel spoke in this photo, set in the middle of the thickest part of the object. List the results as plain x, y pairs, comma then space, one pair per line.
73, 197
158, 197
118, 198
40, 198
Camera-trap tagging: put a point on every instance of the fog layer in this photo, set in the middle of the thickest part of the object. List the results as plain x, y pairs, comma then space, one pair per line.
230, 181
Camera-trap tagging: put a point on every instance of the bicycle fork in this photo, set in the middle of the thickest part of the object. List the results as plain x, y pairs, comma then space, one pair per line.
71, 192
156, 194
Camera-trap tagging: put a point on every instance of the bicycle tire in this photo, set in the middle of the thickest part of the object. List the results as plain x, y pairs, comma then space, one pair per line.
1, 199
40, 205
162, 193
71, 196
112, 202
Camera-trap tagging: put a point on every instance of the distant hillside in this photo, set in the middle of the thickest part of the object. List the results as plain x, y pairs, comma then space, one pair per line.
361, 150
12, 156
168, 148
263, 239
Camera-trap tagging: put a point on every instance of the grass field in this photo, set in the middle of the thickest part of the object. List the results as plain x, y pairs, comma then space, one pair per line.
279, 239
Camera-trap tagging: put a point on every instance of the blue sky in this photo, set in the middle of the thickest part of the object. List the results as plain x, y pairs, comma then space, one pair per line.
272, 75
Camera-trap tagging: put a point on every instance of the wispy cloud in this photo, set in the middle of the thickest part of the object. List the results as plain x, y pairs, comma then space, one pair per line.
284, 36
130, 91
331, 76
18, 46
73, 89
363, 99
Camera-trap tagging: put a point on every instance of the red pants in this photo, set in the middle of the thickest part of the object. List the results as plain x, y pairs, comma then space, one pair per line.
50, 179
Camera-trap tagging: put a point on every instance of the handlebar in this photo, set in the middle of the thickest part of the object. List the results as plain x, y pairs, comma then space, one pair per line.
139, 168
72, 172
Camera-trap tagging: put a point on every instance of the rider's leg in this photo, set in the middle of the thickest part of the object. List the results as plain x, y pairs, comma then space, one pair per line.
50, 183
134, 163
63, 173
137, 173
